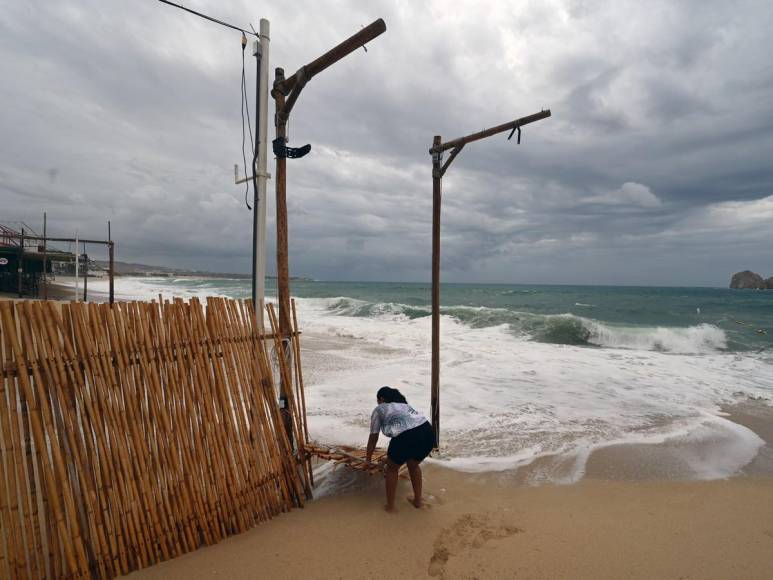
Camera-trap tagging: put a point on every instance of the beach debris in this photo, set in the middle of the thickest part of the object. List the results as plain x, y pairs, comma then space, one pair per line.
352, 457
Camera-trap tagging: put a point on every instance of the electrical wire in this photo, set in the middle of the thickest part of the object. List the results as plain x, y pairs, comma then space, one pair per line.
246, 106
244, 97
215, 20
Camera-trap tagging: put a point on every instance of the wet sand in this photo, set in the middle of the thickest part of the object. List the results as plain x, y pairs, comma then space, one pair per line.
62, 289
671, 461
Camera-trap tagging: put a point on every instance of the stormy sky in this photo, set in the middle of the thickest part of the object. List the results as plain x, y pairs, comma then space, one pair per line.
656, 167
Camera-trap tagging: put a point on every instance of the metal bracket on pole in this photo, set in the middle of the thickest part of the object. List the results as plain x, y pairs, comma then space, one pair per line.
451, 157
281, 150
510, 136
238, 180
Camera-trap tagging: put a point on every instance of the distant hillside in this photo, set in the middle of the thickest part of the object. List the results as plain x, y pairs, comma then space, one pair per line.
133, 269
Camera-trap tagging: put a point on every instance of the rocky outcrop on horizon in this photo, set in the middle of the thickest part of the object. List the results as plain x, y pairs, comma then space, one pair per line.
748, 280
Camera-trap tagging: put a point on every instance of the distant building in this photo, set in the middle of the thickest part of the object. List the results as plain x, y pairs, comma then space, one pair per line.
20, 257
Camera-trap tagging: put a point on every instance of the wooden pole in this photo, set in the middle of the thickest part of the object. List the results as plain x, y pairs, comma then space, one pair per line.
28, 237
45, 253
336, 53
20, 266
285, 93
111, 252
77, 266
436, 202
282, 268
85, 273
438, 170
509, 126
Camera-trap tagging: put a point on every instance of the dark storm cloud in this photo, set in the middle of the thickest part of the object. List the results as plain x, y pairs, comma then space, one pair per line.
655, 167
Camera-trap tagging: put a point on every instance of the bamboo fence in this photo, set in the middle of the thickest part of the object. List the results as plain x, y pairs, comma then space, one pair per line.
135, 433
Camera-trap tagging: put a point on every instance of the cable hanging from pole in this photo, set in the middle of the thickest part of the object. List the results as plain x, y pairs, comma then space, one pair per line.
245, 105
215, 20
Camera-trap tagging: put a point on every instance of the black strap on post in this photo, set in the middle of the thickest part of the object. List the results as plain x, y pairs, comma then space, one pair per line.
281, 150
510, 136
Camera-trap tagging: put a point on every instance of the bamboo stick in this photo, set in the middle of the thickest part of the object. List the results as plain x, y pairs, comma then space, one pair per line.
10, 506
288, 484
294, 415
133, 426
25, 464
228, 327
169, 420
299, 384
170, 454
210, 438
265, 403
67, 421
74, 551
66, 379
93, 419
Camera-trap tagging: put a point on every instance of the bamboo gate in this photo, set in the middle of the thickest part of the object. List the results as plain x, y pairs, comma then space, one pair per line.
136, 432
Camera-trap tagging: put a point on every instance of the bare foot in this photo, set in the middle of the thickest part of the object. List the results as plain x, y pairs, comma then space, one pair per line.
390, 509
418, 504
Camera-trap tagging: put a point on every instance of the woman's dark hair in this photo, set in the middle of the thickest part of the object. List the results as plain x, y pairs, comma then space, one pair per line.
390, 395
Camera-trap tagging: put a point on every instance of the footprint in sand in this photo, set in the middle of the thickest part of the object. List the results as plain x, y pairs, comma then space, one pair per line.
467, 532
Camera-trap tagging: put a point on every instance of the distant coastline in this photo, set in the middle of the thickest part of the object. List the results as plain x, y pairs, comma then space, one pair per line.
144, 270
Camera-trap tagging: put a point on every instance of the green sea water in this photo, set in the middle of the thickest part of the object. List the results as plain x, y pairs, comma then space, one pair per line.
656, 318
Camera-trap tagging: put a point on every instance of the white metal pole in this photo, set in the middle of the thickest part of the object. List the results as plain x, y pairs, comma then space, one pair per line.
260, 241
77, 260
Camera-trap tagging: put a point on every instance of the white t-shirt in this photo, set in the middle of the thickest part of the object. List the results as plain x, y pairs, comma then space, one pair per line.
395, 418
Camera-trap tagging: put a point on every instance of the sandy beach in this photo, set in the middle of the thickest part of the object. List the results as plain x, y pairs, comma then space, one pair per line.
62, 288
630, 517
481, 527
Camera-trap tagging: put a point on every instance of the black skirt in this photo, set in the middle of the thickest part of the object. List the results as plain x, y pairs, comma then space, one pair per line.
414, 443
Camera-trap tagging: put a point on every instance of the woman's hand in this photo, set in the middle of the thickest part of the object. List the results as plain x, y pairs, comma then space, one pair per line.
372, 440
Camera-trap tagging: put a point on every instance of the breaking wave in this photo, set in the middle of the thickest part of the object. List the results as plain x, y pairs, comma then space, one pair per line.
567, 329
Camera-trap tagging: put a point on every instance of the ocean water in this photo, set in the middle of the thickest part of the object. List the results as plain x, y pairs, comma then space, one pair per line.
532, 372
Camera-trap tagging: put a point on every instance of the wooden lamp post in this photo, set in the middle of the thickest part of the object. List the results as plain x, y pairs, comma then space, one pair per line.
438, 170
285, 94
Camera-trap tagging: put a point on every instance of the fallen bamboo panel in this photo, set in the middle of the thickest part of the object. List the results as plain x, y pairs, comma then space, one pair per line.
352, 457
137, 432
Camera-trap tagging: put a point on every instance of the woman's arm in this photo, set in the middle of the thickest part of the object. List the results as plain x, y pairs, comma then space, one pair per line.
372, 440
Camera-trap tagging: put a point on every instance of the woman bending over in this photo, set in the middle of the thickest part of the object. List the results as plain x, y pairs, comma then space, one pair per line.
412, 440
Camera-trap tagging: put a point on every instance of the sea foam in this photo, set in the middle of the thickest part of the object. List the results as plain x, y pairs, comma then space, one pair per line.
518, 387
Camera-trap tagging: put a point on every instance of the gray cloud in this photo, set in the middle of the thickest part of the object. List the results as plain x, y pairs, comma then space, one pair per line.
655, 167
